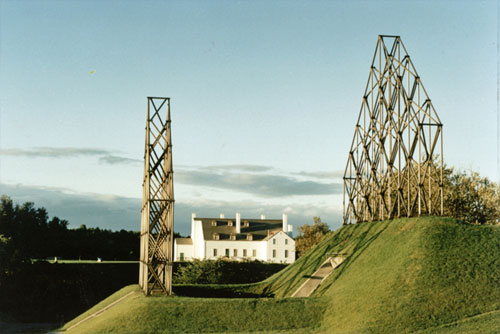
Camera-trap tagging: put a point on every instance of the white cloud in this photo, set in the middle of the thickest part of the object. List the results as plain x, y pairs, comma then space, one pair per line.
270, 184
105, 156
116, 212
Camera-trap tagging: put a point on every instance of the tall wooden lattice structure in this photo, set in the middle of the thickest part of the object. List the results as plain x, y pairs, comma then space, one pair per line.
395, 164
157, 215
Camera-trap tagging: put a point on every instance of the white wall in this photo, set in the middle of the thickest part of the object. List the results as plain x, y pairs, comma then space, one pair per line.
188, 251
198, 240
277, 243
263, 251
240, 245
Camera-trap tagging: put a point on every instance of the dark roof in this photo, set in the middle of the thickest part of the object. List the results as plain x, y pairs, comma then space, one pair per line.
184, 241
259, 228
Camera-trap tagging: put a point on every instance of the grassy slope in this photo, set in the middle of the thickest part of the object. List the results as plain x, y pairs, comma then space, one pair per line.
411, 274
288, 280
114, 297
401, 276
140, 314
486, 323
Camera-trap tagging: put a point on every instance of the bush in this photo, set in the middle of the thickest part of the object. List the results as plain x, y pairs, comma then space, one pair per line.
224, 271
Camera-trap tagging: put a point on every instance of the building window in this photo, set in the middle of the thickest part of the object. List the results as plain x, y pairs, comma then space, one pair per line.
286, 252
214, 223
246, 223
274, 252
244, 253
232, 237
254, 252
235, 252
274, 241
227, 252
181, 257
249, 236
286, 241
229, 223
216, 236
215, 251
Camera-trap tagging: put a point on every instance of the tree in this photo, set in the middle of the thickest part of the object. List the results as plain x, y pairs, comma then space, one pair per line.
5, 254
472, 198
310, 236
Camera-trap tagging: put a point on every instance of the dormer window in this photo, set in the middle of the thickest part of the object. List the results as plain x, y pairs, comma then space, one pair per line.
246, 223
232, 236
249, 236
216, 236
229, 223
214, 223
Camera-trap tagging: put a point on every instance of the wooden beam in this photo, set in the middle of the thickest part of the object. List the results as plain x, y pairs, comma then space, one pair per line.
157, 215
387, 149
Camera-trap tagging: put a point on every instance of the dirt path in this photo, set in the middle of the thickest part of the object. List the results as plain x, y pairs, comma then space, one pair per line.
315, 280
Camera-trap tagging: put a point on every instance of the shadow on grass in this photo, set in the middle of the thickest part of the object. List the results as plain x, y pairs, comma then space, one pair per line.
214, 291
362, 244
309, 263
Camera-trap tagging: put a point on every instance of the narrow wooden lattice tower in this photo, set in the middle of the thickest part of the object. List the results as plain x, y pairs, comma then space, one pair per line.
157, 214
395, 164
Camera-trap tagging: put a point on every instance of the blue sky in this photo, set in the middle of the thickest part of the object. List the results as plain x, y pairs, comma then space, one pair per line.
265, 96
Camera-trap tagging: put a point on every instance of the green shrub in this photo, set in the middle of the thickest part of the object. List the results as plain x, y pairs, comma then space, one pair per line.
224, 271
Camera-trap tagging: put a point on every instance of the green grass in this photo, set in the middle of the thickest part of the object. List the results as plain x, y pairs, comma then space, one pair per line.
140, 314
285, 282
411, 274
117, 295
487, 323
424, 275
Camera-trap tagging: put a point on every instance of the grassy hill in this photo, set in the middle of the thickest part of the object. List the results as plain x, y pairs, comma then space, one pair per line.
416, 275
138, 314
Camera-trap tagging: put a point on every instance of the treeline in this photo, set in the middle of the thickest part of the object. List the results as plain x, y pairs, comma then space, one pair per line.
42, 292
27, 233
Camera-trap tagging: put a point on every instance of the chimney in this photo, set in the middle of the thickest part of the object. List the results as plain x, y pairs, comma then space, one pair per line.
290, 228
193, 216
285, 222
238, 222
221, 215
262, 217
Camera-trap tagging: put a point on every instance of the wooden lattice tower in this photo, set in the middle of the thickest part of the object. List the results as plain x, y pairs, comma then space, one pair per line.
395, 165
157, 215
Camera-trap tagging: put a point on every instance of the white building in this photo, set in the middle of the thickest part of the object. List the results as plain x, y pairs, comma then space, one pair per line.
254, 239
